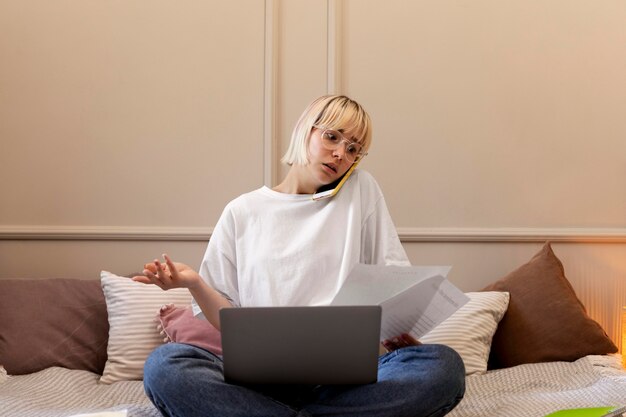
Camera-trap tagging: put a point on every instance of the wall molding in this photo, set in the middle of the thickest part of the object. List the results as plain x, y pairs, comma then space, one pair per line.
270, 85
406, 234
333, 46
130, 233
574, 235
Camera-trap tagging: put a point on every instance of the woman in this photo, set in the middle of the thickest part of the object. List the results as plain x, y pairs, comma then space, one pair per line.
279, 247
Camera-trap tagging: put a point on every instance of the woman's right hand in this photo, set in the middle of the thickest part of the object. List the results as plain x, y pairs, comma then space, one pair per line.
402, 341
168, 275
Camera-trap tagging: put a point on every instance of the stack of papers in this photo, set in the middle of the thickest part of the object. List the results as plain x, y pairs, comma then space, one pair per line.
414, 299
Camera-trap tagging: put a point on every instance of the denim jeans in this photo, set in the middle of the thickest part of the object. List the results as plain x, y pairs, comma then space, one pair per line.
418, 381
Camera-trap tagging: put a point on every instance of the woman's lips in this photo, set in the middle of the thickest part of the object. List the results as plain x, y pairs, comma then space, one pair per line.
331, 168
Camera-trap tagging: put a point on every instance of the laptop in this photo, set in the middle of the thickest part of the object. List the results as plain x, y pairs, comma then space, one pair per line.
301, 345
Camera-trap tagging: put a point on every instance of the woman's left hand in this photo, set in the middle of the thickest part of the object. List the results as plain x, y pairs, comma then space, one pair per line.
398, 342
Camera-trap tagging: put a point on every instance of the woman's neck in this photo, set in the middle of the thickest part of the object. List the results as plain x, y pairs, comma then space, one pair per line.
295, 183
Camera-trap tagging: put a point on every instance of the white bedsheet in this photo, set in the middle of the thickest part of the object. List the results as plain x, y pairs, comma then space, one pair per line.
532, 390
60, 392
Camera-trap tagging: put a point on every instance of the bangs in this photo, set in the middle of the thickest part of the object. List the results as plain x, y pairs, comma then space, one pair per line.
349, 118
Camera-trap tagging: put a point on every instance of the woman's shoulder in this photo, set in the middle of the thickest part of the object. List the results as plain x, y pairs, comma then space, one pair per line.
364, 176
245, 199
361, 188
366, 181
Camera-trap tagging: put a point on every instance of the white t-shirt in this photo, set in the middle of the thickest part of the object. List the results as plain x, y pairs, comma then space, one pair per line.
275, 249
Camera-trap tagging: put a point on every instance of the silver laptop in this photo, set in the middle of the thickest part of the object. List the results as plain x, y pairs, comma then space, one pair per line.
301, 345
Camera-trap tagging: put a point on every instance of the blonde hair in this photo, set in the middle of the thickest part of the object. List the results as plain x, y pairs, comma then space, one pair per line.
333, 112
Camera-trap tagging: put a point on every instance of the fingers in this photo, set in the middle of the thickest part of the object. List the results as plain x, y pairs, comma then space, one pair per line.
163, 273
150, 267
410, 340
158, 273
141, 278
389, 347
394, 344
171, 266
150, 275
404, 340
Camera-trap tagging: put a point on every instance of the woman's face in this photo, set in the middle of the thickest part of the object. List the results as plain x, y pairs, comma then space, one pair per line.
325, 165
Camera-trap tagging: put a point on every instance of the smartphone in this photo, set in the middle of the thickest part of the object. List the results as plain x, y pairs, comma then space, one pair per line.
333, 188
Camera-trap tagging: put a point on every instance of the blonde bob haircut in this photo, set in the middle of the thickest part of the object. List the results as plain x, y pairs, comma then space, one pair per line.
331, 112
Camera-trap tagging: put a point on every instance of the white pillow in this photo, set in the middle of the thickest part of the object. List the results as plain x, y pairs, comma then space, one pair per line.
469, 330
132, 307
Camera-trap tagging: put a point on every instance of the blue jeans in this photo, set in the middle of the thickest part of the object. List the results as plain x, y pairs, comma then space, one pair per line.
418, 381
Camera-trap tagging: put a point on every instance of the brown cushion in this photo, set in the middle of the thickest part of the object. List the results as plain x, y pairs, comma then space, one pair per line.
52, 322
545, 321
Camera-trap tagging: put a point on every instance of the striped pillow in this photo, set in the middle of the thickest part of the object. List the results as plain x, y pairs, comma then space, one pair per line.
131, 307
469, 330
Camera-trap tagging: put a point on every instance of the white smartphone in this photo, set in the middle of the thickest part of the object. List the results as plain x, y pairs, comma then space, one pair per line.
336, 186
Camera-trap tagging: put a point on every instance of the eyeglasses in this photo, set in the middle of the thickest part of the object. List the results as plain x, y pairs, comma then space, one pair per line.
332, 140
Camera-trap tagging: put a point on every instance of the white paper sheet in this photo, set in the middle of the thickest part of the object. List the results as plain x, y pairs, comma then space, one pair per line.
414, 299
121, 413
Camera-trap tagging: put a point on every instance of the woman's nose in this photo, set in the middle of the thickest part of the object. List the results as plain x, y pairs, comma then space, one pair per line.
340, 152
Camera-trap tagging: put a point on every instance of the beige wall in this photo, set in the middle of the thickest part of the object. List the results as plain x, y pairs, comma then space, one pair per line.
148, 113
126, 127
504, 113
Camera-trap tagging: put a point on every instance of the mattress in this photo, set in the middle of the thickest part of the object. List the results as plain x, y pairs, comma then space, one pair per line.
56, 392
531, 390
534, 390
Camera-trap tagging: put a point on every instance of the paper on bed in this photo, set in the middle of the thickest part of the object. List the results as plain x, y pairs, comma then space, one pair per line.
414, 299
122, 413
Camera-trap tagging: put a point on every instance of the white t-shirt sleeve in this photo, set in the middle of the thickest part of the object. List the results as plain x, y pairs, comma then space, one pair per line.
219, 264
380, 244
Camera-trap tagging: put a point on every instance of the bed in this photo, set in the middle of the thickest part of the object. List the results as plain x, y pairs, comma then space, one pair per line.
75, 347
